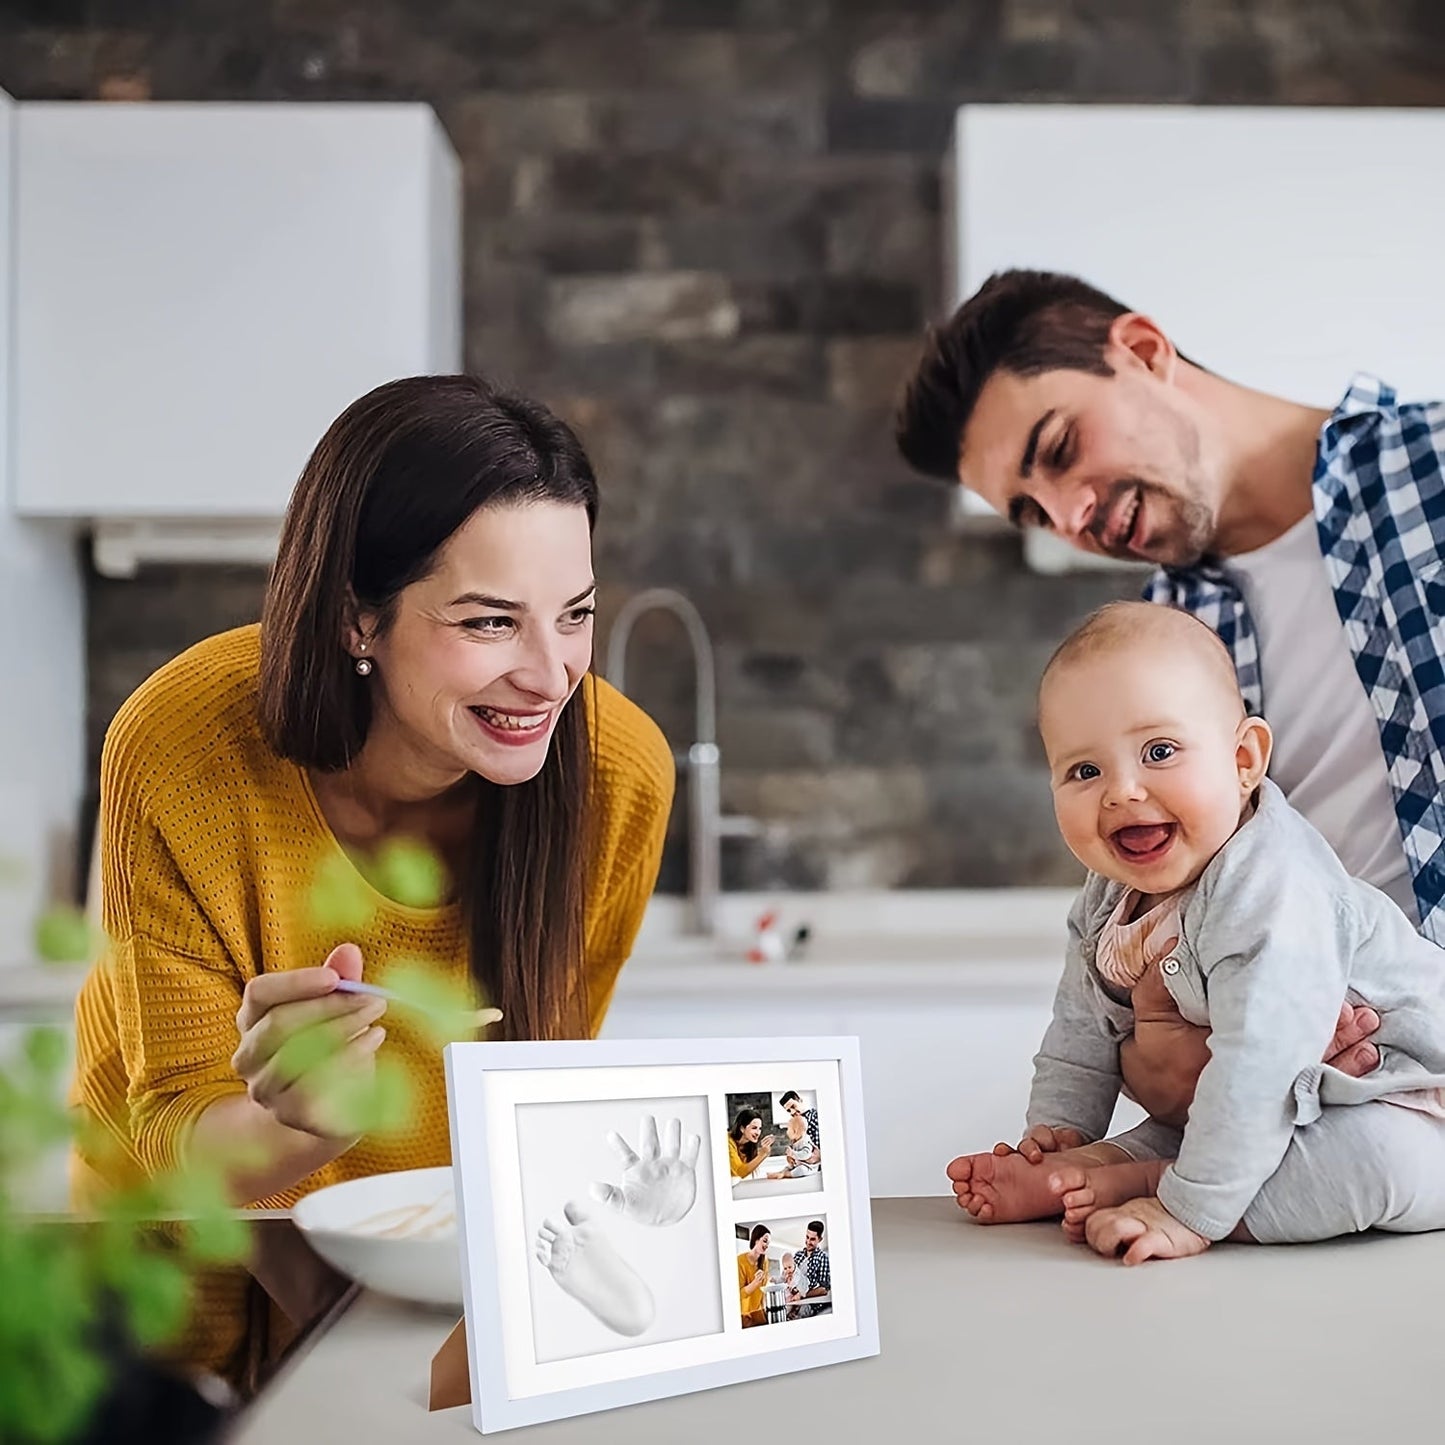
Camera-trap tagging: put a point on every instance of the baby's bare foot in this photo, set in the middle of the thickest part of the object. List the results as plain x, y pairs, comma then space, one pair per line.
1005, 1189
1082, 1190
1071, 1184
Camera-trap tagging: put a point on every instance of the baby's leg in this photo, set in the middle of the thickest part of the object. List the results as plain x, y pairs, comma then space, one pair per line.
1366, 1166
1082, 1191
1007, 1189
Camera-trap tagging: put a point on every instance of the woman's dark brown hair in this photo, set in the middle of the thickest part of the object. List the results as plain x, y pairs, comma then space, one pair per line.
747, 1148
397, 473
759, 1230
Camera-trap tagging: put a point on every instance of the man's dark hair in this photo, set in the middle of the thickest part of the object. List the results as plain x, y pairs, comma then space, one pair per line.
791, 1094
816, 1225
1021, 322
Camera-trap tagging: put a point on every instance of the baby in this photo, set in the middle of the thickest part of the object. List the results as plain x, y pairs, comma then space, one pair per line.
801, 1146
1201, 870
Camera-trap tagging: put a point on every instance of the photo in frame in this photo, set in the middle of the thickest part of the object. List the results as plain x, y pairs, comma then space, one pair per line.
623, 1239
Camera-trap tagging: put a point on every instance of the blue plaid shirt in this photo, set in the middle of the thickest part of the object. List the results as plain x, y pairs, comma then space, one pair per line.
1379, 493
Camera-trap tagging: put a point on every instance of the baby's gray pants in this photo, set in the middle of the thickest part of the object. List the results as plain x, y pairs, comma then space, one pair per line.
1364, 1166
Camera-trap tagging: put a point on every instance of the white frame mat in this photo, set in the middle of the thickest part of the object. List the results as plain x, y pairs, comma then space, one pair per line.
489, 1083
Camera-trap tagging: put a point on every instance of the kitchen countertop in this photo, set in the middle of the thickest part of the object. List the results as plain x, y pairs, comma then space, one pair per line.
993, 1334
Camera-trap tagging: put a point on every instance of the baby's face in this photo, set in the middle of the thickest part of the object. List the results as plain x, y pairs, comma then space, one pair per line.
1151, 762
796, 1127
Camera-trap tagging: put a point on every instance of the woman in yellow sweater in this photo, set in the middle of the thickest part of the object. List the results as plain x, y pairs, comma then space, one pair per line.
747, 1149
753, 1276
421, 671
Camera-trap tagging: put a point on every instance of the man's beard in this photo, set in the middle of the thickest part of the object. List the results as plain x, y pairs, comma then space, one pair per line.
1184, 540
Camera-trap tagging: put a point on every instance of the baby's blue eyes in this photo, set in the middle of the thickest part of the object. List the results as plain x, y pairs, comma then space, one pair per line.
1154, 753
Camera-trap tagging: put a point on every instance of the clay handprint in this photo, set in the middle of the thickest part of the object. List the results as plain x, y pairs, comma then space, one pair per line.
659, 1184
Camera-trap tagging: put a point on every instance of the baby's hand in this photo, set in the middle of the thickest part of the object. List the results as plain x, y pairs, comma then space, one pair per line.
1141, 1229
1043, 1139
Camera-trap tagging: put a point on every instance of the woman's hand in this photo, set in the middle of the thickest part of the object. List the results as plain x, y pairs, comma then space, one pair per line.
298, 1035
756, 1283
1163, 1059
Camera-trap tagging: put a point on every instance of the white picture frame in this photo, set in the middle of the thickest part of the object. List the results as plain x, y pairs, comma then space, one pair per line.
555, 1319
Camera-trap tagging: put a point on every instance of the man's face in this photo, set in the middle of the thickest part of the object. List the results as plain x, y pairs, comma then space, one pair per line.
793, 1108
1112, 464
812, 1240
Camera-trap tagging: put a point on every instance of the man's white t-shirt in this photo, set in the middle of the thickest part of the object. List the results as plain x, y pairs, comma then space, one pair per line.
1327, 757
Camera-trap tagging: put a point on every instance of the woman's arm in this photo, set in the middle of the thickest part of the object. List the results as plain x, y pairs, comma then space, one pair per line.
257, 1155
182, 1006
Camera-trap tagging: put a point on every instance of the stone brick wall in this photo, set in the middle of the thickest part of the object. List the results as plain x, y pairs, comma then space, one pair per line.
708, 232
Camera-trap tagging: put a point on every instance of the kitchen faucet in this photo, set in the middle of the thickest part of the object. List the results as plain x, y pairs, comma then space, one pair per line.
706, 823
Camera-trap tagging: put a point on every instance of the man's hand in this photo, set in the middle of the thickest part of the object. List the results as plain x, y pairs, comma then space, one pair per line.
1352, 1051
1162, 1061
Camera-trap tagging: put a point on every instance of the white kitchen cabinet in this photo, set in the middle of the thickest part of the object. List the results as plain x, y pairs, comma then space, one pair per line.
202, 288
1254, 236
42, 730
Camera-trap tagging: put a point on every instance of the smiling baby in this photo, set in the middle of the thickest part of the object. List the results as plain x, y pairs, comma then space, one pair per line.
1202, 877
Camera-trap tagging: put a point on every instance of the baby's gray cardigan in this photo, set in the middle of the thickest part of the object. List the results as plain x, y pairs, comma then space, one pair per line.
1274, 938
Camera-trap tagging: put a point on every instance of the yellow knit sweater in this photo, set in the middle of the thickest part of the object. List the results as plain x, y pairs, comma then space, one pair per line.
210, 842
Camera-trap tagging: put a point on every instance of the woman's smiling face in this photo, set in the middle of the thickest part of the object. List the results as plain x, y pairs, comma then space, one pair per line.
480, 656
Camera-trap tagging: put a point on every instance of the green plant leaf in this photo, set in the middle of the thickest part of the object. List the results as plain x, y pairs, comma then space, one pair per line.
339, 900
305, 1051
47, 1051
379, 1104
410, 873
443, 1008
48, 1395
53, 1280
64, 935
213, 1235
155, 1293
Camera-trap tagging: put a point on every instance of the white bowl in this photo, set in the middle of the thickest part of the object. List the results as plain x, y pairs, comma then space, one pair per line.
426, 1269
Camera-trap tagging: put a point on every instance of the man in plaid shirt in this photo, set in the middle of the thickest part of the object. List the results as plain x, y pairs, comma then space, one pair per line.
812, 1274
1312, 540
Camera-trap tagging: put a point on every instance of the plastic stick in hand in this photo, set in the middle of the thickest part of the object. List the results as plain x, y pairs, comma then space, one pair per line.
480, 1017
